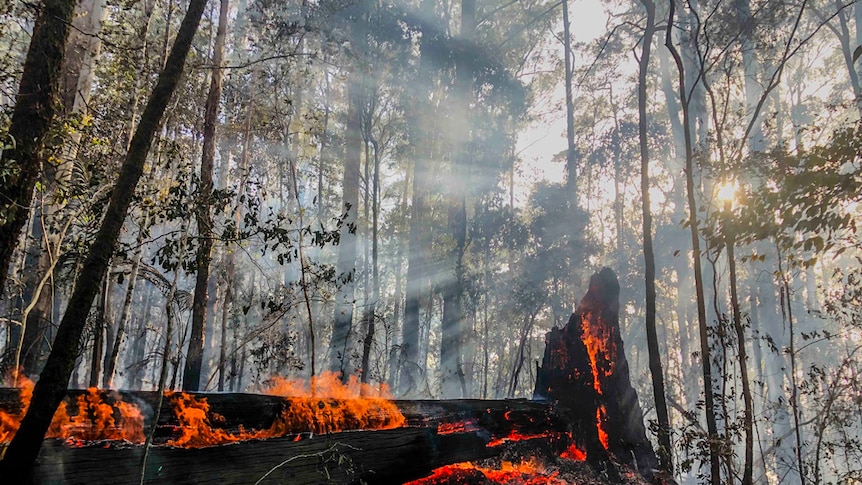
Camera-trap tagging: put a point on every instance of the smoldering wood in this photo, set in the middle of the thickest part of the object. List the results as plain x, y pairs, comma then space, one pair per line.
375, 456
566, 378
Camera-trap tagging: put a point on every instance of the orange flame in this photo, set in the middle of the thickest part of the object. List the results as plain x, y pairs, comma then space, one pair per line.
329, 406
528, 472
602, 353
333, 407
194, 423
94, 419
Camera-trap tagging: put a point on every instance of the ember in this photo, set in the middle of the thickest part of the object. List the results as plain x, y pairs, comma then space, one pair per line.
467, 426
574, 453
516, 436
528, 472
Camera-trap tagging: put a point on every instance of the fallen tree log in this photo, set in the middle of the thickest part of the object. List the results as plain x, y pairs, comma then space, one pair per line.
235, 411
438, 433
381, 457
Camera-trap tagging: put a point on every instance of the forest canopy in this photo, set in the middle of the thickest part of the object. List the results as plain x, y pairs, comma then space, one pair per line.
207, 196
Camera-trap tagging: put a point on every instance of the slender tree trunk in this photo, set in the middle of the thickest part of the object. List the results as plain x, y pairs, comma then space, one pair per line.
571, 159
104, 321
340, 344
53, 381
664, 450
794, 387
748, 423
194, 358
34, 110
125, 313
712, 429
375, 290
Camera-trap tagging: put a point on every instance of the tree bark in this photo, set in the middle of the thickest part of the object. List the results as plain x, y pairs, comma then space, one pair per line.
408, 379
125, 314
748, 419
53, 381
340, 348
452, 288
194, 357
712, 429
664, 449
34, 110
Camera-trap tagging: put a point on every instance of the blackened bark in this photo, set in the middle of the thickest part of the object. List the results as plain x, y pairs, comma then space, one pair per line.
53, 381
34, 109
194, 357
585, 370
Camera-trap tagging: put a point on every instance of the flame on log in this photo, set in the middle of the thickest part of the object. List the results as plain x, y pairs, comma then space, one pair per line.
94, 418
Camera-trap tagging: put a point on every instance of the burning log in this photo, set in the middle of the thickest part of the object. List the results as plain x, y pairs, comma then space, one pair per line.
584, 370
439, 433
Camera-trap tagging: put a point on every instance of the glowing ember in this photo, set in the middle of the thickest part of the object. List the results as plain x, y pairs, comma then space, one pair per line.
516, 436
95, 419
574, 453
528, 472
328, 406
459, 427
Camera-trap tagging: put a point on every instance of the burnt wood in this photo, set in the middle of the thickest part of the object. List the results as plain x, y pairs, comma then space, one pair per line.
383, 457
373, 456
566, 378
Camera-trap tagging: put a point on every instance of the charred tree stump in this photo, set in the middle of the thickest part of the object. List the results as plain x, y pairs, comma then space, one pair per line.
584, 371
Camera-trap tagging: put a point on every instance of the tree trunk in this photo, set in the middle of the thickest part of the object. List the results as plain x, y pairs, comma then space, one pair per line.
712, 429
114, 349
452, 331
664, 449
340, 346
408, 379
51, 387
103, 322
194, 357
82, 47
748, 419
31, 119
375, 277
